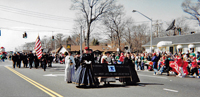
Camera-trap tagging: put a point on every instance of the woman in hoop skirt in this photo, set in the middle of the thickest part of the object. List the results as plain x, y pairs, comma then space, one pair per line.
134, 77
84, 75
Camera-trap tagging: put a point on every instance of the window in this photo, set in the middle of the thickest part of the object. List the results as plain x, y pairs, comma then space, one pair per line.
180, 50
192, 49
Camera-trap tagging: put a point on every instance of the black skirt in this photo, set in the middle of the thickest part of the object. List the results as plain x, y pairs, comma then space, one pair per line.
84, 76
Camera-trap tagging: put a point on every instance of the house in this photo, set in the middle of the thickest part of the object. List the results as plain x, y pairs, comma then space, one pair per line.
180, 43
75, 48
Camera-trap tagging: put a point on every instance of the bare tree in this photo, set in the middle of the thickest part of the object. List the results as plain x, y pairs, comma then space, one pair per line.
183, 24
128, 35
79, 26
192, 8
92, 11
157, 29
59, 38
115, 23
140, 36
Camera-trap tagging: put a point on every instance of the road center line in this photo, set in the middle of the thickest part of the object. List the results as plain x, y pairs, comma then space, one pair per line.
153, 76
170, 90
41, 87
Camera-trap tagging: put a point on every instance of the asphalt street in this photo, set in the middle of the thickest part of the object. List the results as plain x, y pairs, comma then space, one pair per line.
33, 82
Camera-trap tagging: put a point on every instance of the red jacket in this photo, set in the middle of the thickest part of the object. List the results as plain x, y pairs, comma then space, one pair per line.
180, 62
194, 64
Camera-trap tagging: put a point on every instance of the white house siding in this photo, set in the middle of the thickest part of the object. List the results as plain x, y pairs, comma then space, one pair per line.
197, 47
185, 48
147, 49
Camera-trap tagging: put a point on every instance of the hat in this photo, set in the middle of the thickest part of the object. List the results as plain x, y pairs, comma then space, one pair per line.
90, 50
86, 48
78, 53
107, 52
154, 54
66, 53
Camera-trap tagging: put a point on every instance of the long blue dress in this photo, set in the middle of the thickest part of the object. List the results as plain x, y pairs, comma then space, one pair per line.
84, 75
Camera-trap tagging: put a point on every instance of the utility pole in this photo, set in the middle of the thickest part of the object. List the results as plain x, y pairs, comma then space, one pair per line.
157, 26
81, 41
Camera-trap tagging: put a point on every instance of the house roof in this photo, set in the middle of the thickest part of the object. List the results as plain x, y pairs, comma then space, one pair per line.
57, 50
94, 48
179, 39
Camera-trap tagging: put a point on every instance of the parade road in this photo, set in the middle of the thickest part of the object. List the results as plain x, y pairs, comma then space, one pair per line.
33, 82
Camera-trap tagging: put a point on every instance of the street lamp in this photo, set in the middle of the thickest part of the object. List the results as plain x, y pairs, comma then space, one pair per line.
151, 28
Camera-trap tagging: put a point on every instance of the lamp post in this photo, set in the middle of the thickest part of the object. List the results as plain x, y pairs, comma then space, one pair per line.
151, 28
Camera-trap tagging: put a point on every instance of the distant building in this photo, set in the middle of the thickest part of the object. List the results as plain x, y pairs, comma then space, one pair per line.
180, 43
76, 48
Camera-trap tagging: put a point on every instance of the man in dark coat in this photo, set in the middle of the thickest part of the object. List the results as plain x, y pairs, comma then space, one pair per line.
19, 59
25, 60
30, 59
36, 61
14, 59
50, 60
44, 60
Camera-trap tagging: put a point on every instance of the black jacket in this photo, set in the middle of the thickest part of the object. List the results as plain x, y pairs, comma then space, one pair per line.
44, 58
14, 58
31, 57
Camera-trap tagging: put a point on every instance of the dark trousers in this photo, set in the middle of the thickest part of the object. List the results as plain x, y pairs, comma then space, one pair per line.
195, 70
36, 64
44, 65
25, 63
14, 63
49, 64
18, 64
30, 64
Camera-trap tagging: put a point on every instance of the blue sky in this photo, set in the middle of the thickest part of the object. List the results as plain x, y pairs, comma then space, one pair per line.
165, 10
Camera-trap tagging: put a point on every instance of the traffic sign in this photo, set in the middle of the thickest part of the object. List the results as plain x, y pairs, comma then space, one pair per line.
68, 47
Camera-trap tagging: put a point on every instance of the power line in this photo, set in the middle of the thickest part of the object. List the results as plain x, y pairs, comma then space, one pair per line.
33, 24
34, 14
29, 30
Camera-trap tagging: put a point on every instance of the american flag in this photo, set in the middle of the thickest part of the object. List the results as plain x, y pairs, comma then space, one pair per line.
38, 47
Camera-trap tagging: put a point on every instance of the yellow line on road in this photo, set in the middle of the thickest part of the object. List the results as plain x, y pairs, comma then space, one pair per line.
41, 87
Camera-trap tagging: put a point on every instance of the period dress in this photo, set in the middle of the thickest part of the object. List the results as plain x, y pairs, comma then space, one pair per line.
69, 69
84, 74
134, 77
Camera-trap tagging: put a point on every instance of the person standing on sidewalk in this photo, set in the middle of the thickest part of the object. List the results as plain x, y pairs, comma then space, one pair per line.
155, 63
194, 68
166, 67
